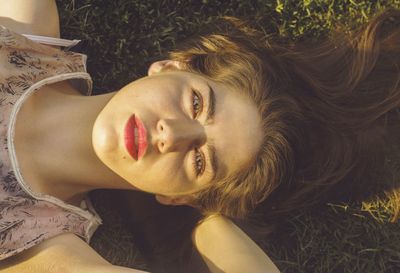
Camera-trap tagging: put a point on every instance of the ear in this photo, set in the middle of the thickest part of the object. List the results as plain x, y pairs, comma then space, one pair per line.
159, 66
175, 200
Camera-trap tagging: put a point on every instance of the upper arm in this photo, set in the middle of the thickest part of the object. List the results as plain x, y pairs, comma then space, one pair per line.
226, 248
35, 17
64, 253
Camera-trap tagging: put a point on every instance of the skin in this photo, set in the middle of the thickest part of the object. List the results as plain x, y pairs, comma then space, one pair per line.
54, 145
164, 103
87, 152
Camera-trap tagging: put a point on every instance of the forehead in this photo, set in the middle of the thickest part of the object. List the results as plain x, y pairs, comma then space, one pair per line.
236, 131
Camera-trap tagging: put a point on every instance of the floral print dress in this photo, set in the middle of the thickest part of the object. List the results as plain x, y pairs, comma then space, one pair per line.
26, 217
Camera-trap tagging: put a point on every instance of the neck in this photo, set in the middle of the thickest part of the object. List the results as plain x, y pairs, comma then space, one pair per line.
70, 167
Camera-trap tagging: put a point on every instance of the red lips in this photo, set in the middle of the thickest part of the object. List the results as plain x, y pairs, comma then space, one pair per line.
136, 144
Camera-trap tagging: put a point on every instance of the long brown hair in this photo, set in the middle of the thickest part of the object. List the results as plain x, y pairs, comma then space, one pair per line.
326, 107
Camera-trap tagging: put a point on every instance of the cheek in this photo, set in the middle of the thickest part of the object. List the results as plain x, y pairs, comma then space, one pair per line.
167, 172
164, 103
167, 165
163, 95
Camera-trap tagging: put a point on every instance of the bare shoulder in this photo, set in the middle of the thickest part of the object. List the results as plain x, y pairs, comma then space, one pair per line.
58, 254
36, 17
212, 222
65, 253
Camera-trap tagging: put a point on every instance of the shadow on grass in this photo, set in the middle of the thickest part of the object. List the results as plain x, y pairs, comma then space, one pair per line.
358, 235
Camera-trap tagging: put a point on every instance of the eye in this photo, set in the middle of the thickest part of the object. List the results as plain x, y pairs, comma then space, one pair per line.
197, 103
198, 162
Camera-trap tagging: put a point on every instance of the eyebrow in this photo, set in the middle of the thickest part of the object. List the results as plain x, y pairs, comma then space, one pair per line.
210, 113
213, 158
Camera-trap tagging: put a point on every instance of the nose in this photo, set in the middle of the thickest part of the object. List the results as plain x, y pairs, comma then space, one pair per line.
177, 134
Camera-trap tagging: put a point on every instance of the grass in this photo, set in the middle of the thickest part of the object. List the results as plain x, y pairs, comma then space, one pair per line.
121, 39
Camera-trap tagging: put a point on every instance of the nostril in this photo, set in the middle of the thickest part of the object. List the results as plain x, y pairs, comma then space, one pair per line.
160, 126
161, 147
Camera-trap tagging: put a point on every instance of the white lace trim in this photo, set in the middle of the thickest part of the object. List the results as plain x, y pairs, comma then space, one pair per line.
94, 219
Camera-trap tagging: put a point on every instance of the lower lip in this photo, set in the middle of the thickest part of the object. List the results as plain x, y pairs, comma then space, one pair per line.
129, 137
136, 150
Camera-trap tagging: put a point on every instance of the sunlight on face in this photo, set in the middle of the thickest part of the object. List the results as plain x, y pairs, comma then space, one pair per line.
197, 131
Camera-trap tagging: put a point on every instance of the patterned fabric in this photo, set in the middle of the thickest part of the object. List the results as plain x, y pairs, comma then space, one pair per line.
27, 218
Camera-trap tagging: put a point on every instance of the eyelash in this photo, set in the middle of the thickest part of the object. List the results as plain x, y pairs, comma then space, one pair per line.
199, 104
198, 156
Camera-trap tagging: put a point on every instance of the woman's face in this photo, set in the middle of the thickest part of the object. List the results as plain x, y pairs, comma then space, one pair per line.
197, 131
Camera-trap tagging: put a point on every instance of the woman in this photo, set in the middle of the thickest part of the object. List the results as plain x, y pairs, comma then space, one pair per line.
85, 143
326, 110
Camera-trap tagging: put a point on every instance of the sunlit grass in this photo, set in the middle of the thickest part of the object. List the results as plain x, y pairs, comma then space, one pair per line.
121, 39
